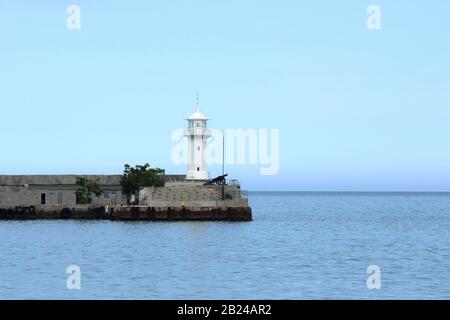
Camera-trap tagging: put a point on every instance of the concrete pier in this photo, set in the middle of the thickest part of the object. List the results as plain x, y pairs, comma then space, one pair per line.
53, 197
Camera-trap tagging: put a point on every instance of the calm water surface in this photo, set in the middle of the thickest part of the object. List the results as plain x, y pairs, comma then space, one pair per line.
299, 246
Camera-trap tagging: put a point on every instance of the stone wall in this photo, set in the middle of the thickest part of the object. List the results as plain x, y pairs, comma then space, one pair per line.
59, 190
190, 194
23, 196
29, 190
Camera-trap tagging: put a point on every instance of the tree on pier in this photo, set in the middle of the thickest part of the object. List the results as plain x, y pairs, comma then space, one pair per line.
86, 189
134, 179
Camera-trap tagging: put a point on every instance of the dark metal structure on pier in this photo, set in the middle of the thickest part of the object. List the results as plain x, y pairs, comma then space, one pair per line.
220, 180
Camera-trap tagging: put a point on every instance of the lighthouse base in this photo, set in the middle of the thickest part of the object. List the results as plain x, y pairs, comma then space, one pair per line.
197, 175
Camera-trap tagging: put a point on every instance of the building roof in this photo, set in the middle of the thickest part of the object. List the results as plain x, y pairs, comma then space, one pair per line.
43, 180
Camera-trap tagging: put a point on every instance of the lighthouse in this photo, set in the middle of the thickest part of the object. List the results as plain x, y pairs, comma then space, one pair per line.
197, 134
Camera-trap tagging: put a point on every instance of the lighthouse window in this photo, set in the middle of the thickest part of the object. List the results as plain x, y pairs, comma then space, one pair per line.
198, 168
198, 148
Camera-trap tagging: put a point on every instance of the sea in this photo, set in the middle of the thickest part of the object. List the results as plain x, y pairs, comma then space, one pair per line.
300, 245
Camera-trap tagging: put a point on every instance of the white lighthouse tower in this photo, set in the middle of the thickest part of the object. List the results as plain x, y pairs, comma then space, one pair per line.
197, 134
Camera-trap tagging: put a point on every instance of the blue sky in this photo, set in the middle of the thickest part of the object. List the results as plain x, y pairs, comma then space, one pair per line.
357, 109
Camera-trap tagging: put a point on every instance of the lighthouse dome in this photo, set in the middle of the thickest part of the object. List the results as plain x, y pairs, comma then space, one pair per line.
197, 115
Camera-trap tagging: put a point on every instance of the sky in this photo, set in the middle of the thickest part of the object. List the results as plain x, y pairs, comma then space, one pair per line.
357, 109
